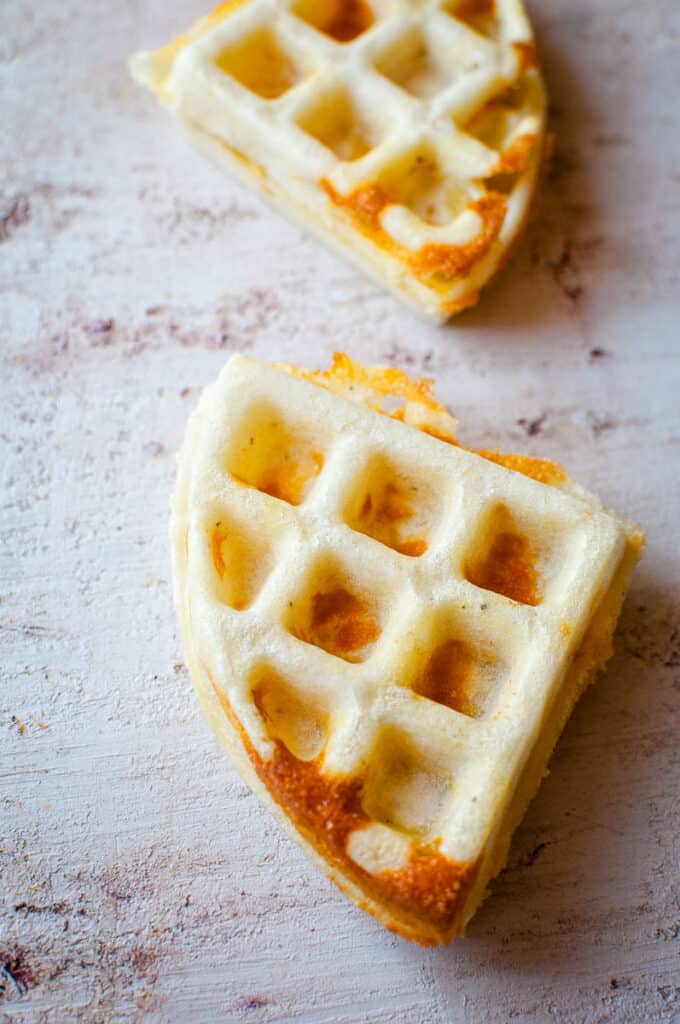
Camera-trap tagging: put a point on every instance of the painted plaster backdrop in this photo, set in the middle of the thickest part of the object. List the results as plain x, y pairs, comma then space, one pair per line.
141, 881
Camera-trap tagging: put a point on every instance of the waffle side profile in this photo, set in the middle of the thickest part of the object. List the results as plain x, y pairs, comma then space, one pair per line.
408, 134
386, 631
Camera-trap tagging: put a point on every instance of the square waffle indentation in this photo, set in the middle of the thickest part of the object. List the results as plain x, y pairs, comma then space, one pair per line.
241, 558
405, 789
496, 121
513, 556
502, 183
275, 455
418, 181
420, 65
479, 15
394, 505
460, 666
337, 121
297, 718
262, 63
341, 20
336, 612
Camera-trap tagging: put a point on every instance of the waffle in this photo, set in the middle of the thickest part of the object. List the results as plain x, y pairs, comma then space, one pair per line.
386, 630
407, 133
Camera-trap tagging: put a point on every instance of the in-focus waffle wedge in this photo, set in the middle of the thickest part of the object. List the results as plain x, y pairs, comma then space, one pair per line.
386, 630
408, 133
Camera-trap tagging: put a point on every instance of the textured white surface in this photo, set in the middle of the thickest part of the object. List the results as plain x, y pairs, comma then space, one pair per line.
140, 880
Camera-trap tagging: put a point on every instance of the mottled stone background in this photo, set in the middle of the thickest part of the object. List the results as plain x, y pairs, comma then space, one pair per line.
140, 879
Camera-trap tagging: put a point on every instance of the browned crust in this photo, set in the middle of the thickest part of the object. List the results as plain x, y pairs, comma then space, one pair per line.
472, 8
454, 261
390, 381
508, 567
458, 305
543, 470
347, 19
384, 380
435, 265
428, 894
527, 56
517, 156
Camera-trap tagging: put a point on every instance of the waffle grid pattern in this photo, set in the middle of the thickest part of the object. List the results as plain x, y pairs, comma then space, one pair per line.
429, 772
426, 108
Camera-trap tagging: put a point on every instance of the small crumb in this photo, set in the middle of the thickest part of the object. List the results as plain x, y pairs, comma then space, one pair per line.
565, 273
19, 724
14, 215
598, 353
42, 725
252, 1003
101, 326
184, 392
154, 310
154, 449
15, 967
532, 427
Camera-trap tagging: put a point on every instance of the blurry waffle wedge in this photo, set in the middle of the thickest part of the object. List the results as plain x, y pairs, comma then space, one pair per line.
407, 133
387, 631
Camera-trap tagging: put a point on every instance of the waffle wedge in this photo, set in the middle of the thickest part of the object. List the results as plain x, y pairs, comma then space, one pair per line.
406, 133
386, 630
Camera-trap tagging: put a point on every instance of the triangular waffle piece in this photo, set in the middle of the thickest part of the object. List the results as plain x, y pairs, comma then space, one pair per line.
407, 134
387, 631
